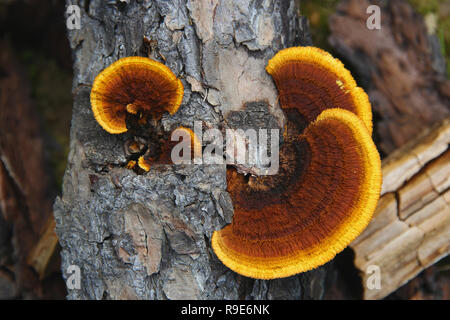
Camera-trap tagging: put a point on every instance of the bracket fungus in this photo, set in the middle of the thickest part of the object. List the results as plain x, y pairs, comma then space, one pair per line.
136, 86
311, 80
329, 177
125, 94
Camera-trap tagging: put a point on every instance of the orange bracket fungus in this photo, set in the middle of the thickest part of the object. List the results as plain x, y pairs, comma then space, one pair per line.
136, 86
125, 95
309, 80
329, 176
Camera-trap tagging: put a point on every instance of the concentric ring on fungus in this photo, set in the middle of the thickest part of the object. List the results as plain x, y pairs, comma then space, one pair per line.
328, 183
133, 85
311, 80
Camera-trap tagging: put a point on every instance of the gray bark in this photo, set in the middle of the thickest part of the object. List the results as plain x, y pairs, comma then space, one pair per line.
148, 236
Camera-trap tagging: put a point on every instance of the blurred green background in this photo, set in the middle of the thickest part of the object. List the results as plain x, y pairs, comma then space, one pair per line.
36, 32
433, 10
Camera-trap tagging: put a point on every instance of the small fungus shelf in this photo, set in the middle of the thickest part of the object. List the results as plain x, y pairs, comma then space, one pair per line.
134, 85
165, 155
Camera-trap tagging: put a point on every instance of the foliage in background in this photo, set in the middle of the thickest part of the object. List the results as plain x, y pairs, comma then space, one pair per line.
318, 13
36, 32
51, 91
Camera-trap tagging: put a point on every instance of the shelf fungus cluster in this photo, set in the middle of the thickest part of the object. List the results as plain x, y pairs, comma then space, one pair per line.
131, 95
329, 178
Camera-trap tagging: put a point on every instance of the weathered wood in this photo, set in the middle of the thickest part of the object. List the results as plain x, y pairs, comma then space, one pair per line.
148, 236
401, 166
43, 252
400, 65
411, 226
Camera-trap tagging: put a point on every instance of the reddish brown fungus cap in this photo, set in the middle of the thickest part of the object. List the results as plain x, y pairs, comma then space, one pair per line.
132, 85
322, 198
310, 80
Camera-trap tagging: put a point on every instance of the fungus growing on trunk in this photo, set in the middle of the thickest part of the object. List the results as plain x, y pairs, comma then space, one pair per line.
310, 80
329, 177
137, 86
164, 153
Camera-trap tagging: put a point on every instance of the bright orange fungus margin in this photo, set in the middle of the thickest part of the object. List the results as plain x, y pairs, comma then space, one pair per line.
132, 85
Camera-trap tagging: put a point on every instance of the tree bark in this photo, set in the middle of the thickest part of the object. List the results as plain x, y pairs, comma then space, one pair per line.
148, 236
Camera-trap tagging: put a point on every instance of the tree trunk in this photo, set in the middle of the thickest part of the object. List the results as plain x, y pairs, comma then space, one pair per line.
148, 236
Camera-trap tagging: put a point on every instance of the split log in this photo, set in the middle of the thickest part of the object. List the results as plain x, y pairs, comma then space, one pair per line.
43, 253
400, 65
411, 226
148, 236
